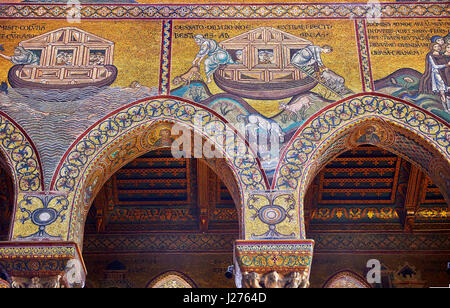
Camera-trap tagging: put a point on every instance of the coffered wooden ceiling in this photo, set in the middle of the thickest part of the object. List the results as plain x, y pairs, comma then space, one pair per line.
157, 192
365, 189
371, 189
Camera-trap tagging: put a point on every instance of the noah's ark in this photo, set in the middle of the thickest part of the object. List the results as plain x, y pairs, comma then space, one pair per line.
68, 58
262, 66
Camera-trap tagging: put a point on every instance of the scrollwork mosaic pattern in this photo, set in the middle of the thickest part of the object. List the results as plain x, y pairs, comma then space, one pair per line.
22, 156
299, 162
319, 129
273, 209
40, 212
346, 279
281, 256
212, 11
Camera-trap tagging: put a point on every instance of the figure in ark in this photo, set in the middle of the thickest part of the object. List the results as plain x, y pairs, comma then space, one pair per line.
215, 56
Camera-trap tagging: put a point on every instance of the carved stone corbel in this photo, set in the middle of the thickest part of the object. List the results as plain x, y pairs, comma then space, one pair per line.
273, 264
275, 280
43, 265
251, 280
53, 282
297, 280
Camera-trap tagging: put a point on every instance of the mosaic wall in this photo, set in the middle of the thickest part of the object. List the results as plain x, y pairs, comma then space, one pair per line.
86, 88
223, 63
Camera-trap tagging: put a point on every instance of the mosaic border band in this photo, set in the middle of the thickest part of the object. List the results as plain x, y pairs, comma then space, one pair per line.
223, 243
11, 250
217, 11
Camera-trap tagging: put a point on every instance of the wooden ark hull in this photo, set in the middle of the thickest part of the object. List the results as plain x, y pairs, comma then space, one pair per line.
265, 90
29, 77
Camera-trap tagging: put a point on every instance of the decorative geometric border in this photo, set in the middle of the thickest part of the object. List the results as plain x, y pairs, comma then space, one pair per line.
33, 250
22, 156
363, 47
325, 242
294, 168
218, 11
29, 258
164, 82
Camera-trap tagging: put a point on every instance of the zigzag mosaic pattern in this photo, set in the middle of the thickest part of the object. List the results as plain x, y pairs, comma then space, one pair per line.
413, 10
324, 242
164, 88
364, 55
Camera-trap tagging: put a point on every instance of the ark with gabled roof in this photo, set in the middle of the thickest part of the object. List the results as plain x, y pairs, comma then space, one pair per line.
65, 58
262, 66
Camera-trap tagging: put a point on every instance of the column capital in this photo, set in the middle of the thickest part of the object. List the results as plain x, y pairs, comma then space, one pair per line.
273, 263
43, 264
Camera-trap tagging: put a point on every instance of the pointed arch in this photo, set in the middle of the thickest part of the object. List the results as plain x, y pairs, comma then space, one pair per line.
346, 279
395, 125
125, 134
171, 279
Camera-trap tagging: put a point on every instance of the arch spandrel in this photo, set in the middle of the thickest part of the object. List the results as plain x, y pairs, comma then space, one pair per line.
21, 159
402, 128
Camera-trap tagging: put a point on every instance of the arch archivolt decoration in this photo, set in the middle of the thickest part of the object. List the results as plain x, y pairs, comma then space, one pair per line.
4, 284
374, 119
21, 156
172, 279
133, 131
346, 279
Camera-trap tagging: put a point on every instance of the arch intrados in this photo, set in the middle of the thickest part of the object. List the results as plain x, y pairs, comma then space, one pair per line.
82, 185
229, 181
231, 184
317, 171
